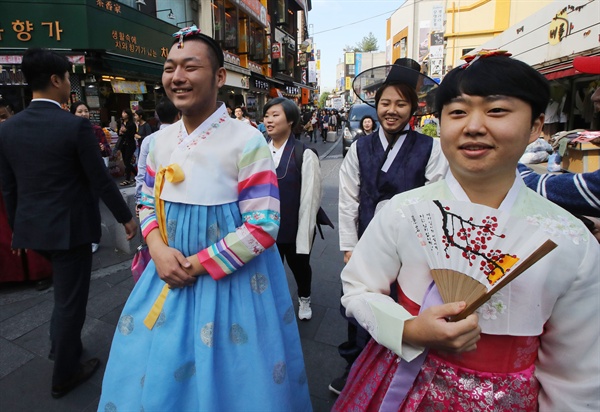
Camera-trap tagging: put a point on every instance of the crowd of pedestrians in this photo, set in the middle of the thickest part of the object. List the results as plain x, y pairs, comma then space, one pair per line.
211, 325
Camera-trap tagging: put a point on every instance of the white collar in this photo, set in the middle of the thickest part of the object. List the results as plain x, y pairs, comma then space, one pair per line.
394, 152
277, 153
46, 100
506, 205
211, 122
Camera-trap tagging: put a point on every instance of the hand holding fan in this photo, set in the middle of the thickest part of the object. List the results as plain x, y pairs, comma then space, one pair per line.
473, 251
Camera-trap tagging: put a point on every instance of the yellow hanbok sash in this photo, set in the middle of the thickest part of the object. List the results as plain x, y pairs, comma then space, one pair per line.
174, 174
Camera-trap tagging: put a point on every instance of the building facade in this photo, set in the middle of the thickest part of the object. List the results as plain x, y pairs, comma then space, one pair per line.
438, 33
118, 48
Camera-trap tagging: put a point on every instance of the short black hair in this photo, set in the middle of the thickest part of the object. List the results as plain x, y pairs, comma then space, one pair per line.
368, 116
243, 109
166, 110
496, 75
141, 113
407, 91
291, 110
216, 53
75, 105
39, 65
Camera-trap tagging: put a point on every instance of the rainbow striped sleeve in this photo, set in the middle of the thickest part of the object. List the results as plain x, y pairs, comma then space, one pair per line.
259, 205
148, 221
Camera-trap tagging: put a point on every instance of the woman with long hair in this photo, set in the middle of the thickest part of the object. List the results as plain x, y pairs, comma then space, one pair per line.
127, 145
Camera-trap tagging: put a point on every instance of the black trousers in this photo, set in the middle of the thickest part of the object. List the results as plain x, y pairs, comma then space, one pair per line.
300, 266
358, 337
324, 133
127, 152
71, 276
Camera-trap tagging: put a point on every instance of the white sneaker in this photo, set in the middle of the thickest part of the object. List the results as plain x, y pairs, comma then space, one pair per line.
95, 247
304, 310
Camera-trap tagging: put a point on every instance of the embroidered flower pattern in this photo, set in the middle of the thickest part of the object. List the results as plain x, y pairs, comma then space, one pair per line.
492, 309
525, 352
559, 226
211, 130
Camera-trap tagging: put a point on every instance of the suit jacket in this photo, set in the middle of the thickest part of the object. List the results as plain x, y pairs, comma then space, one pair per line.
51, 174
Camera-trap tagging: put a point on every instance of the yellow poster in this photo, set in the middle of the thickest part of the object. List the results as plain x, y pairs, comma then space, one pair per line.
348, 83
318, 65
349, 58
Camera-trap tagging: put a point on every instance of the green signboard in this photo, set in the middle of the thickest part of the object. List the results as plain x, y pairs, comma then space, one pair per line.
84, 24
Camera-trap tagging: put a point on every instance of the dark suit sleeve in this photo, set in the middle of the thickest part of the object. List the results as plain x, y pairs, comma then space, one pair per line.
97, 173
8, 184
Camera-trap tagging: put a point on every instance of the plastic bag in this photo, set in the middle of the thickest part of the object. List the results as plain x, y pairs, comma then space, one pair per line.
554, 161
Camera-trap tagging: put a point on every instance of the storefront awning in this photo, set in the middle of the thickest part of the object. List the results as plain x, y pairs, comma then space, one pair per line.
560, 68
124, 65
238, 69
561, 73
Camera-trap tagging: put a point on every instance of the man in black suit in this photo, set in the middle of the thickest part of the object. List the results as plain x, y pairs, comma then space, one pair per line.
49, 166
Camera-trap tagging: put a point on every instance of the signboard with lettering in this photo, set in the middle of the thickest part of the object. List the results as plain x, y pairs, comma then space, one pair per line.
85, 24
255, 9
276, 50
293, 90
128, 87
259, 84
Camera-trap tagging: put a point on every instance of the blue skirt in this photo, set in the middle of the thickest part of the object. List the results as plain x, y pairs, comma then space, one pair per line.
226, 345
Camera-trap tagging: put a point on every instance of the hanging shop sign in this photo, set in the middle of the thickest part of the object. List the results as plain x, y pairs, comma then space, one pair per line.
276, 50
128, 87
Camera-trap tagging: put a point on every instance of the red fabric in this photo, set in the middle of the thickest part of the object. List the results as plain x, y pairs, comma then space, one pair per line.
587, 64
502, 360
13, 268
502, 364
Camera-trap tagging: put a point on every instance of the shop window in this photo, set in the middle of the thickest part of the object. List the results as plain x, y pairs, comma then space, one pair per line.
219, 16
257, 40
403, 47
289, 64
281, 12
225, 17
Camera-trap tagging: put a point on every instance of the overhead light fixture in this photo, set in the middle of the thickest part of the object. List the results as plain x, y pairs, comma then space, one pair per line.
170, 15
158, 86
140, 2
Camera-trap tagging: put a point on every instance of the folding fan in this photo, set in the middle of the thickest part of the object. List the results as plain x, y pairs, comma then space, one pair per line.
473, 251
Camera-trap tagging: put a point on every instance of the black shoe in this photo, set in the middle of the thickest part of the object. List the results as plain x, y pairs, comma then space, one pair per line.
86, 370
43, 284
337, 385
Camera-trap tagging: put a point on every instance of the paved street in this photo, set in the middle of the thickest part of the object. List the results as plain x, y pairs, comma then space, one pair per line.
25, 371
